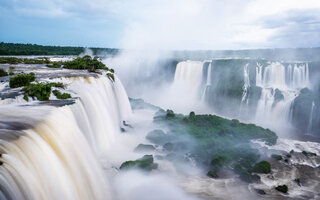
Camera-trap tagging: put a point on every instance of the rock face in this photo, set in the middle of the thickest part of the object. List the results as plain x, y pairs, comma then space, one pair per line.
144, 148
305, 111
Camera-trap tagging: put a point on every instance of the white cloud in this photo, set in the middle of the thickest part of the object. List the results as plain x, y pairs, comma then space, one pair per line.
177, 24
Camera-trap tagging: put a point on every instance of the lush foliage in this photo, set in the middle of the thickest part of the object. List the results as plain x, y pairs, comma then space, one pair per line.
32, 49
85, 62
61, 96
42, 91
145, 163
213, 142
21, 80
15, 60
3, 72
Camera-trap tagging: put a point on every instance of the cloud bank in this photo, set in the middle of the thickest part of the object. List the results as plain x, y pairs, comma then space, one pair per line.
163, 24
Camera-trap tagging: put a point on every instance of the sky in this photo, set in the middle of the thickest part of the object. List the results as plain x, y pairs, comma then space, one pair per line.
162, 24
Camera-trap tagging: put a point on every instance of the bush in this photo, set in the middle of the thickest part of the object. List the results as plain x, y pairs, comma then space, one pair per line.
21, 80
282, 188
61, 96
263, 167
3, 72
170, 113
41, 91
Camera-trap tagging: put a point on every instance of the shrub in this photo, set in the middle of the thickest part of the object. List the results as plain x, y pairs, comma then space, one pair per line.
170, 114
21, 80
262, 167
61, 96
3, 72
41, 91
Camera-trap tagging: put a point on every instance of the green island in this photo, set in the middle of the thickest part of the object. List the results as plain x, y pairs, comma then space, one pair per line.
214, 143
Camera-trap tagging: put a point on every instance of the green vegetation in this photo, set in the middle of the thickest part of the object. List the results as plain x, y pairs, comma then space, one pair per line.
33, 49
262, 167
21, 80
282, 188
144, 148
145, 163
213, 142
3, 72
41, 91
85, 62
61, 96
15, 60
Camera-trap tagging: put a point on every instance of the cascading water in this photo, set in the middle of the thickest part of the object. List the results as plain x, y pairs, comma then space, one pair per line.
186, 86
310, 118
245, 87
275, 78
208, 81
69, 140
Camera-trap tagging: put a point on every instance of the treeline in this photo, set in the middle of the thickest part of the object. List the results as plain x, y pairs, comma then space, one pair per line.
34, 49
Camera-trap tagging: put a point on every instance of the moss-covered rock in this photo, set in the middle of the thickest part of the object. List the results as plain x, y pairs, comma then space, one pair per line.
21, 80
309, 154
263, 167
144, 148
282, 188
276, 156
145, 163
260, 191
157, 136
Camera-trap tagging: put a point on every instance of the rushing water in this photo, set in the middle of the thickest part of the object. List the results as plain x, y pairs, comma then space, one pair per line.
58, 158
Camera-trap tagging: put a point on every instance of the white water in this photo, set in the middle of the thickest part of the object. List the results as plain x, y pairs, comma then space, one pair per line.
189, 73
246, 84
58, 158
310, 118
289, 80
276, 75
208, 81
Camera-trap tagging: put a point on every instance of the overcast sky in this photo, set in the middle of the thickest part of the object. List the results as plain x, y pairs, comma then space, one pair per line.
162, 24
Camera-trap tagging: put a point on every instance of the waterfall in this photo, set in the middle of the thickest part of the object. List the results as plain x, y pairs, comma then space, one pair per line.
246, 85
276, 75
189, 73
58, 158
208, 81
288, 80
310, 118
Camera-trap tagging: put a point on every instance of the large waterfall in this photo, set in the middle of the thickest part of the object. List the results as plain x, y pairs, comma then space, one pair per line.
59, 157
280, 86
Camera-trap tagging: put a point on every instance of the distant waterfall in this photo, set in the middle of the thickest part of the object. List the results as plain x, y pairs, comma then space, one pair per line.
58, 158
310, 118
189, 73
276, 75
208, 81
288, 80
245, 87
